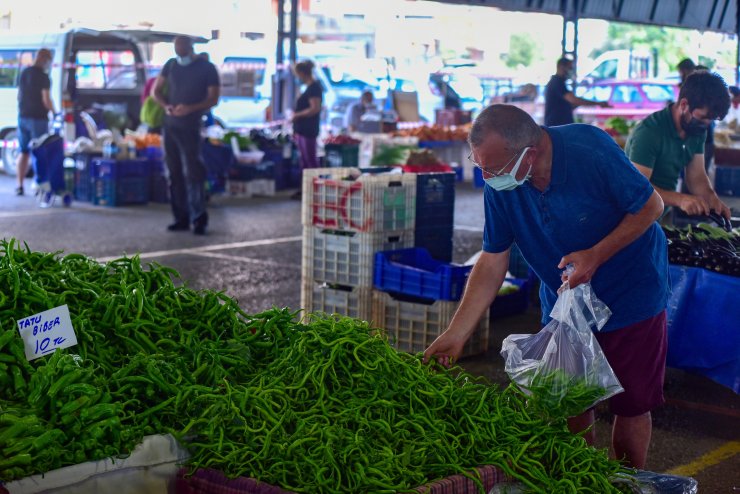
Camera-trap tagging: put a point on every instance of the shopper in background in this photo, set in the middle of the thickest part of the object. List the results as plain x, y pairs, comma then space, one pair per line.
356, 110
568, 195
559, 100
192, 89
306, 118
671, 141
685, 68
34, 105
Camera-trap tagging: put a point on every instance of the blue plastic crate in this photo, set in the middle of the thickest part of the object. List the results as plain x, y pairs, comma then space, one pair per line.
435, 199
122, 191
159, 189
117, 169
84, 178
415, 272
727, 180
273, 155
436, 144
436, 239
217, 158
513, 303
150, 153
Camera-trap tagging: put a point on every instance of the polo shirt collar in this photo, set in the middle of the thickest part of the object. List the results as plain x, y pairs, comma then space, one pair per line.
558, 171
668, 121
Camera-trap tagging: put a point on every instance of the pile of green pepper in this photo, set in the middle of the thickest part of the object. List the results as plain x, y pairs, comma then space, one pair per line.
320, 405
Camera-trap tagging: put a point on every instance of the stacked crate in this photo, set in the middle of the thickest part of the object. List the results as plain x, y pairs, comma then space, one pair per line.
121, 182
415, 298
435, 213
347, 217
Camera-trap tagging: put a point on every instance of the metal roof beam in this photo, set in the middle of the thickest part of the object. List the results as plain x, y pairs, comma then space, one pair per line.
722, 16
653, 9
617, 6
682, 4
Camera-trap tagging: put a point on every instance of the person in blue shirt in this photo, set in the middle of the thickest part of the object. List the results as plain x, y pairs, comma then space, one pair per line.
569, 195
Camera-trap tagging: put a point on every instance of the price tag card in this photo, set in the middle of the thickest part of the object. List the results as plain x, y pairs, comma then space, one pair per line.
46, 331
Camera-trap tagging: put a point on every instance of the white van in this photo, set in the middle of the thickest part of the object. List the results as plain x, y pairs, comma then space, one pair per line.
89, 68
618, 64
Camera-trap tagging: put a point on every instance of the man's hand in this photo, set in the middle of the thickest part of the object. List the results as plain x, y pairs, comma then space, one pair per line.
448, 348
585, 263
694, 205
181, 110
717, 205
169, 109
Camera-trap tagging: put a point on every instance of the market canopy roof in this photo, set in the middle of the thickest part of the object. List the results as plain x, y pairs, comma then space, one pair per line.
705, 15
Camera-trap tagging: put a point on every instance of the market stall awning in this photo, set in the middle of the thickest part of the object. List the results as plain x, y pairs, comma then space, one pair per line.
709, 15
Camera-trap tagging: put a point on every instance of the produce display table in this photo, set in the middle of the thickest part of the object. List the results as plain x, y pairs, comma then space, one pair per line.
150, 469
704, 324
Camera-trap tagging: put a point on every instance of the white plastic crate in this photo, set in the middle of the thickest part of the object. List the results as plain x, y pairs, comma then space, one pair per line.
261, 187
413, 326
346, 301
346, 199
346, 258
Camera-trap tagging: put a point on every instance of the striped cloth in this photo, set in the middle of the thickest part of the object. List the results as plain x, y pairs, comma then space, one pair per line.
208, 481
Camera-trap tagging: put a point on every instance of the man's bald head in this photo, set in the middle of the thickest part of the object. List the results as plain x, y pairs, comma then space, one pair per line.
183, 46
513, 124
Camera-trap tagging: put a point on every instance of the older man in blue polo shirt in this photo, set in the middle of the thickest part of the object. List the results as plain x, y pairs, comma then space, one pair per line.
569, 195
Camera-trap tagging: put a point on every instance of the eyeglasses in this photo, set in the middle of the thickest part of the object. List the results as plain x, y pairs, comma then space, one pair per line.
500, 170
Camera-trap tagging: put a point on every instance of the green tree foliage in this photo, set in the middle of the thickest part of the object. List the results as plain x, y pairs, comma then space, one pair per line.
523, 51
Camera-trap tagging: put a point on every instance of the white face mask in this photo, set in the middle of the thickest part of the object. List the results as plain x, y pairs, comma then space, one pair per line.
508, 181
186, 60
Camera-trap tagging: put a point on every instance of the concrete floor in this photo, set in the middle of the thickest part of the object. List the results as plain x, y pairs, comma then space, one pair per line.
253, 252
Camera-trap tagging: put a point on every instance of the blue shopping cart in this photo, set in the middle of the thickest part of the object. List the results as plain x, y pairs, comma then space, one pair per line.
47, 157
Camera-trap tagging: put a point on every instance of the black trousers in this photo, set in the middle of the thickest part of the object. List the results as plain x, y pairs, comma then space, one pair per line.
187, 173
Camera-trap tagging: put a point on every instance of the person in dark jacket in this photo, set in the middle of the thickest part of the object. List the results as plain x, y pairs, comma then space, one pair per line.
193, 88
559, 100
306, 119
34, 105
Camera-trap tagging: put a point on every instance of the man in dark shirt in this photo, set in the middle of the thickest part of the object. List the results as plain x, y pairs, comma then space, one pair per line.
34, 104
559, 100
192, 89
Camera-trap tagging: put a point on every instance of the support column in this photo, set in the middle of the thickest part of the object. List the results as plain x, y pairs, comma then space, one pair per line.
569, 42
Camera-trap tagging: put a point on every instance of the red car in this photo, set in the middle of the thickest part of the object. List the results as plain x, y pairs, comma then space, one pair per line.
631, 100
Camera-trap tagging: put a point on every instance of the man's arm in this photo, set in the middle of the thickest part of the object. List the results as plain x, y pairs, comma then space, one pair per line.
586, 262
158, 91
210, 101
576, 101
46, 98
699, 185
693, 205
483, 284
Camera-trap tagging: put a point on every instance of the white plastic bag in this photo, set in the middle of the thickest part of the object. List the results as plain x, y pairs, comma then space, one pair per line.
562, 367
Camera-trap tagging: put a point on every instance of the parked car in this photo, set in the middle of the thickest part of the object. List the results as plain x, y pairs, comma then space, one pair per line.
631, 100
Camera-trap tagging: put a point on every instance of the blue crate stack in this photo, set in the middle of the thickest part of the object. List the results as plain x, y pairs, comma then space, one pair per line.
121, 182
435, 213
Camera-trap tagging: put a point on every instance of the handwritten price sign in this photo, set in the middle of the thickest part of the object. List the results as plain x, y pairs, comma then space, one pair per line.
46, 331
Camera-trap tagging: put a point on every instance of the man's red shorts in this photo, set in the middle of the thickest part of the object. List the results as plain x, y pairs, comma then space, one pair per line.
637, 355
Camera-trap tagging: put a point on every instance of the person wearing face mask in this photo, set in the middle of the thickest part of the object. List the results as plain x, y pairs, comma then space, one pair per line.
672, 140
34, 105
357, 109
307, 117
569, 195
193, 87
559, 100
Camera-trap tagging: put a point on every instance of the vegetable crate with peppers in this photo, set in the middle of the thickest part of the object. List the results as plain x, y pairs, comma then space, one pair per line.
413, 323
313, 405
346, 258
705, 246
346, 199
